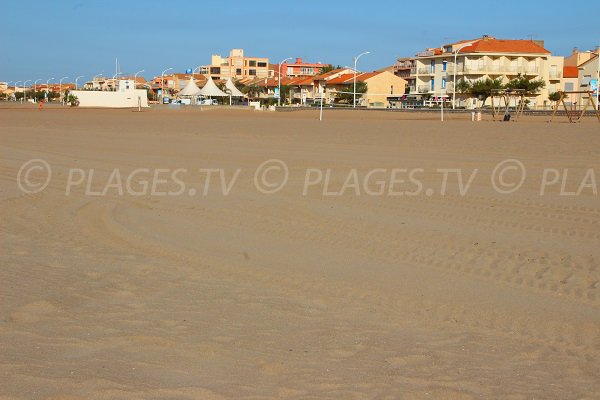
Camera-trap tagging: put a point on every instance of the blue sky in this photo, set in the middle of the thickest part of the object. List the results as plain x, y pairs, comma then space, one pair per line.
55, 38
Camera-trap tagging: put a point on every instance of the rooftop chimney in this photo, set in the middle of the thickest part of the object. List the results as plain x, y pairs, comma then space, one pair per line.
575, 50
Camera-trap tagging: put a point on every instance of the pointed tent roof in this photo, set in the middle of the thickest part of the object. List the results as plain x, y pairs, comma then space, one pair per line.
235, 92
191, 89
210, 89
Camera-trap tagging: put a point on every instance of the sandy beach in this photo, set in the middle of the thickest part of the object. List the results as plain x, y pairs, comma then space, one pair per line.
396, 288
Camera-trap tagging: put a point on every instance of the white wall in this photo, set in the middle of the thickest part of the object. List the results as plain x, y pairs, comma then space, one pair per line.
120, 99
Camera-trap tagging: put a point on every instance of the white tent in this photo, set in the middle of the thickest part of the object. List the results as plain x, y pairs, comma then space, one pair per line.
235, 92
211, 90
191, 89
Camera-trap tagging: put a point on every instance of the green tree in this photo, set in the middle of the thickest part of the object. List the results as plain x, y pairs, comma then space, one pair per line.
348, 95
252, 90
483, 88
530, 86
463, 86
554, 96
328, 68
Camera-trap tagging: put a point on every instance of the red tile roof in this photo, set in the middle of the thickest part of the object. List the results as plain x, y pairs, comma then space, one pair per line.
570, 72
490, 45
349, 78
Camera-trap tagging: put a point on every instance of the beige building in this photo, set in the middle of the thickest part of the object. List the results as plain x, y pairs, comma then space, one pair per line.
383, 87
435, 69
236, 66
588, 74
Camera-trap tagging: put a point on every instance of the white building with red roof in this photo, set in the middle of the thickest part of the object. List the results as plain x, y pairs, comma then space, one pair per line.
436, 69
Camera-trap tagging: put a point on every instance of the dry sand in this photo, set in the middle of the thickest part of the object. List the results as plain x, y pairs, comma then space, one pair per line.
252, 296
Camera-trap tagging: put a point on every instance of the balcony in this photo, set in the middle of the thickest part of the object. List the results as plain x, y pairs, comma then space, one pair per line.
424, 88
426, 71
555, 75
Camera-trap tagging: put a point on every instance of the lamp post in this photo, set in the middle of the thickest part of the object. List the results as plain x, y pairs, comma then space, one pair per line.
354, 79
135, 78
162, 84
60, 88
115, 76
48, 87
455, 68
76, 79
94, 80
25, 89
16, 89
35, 89
279, 80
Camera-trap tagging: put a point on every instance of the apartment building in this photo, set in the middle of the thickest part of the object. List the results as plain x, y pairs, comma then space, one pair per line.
299, 68
435, 69
236, 66
589, 75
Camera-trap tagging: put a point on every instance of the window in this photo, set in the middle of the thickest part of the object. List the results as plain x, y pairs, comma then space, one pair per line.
238, 71
392, 89
443, 83
432, 85
215, 70
252, 63
262, 64
251, 72
432, 67
569, 87
444, 65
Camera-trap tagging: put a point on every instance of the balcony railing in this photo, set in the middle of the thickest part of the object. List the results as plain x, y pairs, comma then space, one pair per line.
425, 71
424, 88
555, 75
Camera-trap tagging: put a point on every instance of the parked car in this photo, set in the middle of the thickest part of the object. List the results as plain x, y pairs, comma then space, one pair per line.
208, 102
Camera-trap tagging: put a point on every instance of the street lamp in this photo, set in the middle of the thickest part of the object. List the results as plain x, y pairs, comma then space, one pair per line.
115, 79
279, 81
35, 89
354, 80
60, 88
135, 78
455, 68
48, 88
76, 79
162, 84
25, 89
16, 89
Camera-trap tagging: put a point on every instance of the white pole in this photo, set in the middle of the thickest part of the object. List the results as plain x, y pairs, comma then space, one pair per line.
139, 72
60, 89
162, 84
76, 79
25, 89
279, 80
354, 79
455, 68
35, 89
442, 97
321, 111
48, 88
16, 87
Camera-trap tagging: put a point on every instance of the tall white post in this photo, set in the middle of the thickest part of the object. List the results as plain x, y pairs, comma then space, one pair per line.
354, 79
279, 80
456, 68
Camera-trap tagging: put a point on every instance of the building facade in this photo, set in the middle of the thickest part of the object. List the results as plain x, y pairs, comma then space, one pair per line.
436, 70
236, 66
